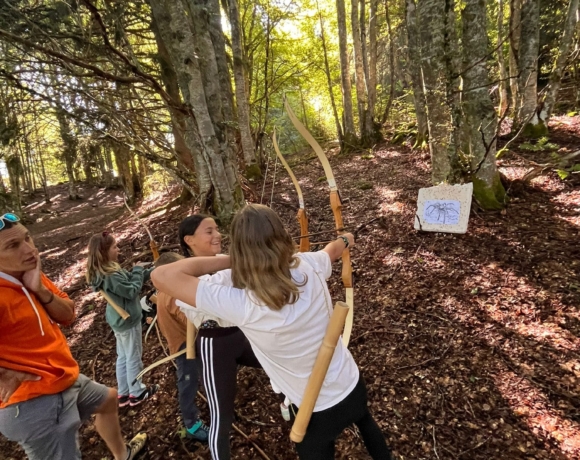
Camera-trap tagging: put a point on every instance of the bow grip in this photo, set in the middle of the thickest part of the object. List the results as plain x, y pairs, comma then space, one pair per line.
154, 250
336, 205
303, 220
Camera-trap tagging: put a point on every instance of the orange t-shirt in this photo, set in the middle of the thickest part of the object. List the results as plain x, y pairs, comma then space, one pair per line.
172, 322
30, 341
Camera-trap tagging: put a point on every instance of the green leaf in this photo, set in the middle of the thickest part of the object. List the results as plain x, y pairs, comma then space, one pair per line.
562, 173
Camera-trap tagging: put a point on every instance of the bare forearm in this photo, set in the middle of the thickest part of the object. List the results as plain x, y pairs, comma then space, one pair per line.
197, 266
59, 309
180, 279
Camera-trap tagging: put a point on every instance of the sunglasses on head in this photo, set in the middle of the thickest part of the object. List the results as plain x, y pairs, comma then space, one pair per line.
8, 217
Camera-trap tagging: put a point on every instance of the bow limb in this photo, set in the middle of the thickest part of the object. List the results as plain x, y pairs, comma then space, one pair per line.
158, 363
152, 243
336, 205
301, 216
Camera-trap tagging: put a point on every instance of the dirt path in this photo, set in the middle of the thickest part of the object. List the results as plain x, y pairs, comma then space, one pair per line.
468, 343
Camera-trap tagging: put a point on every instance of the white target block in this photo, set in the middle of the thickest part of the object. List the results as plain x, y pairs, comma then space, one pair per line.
444, 208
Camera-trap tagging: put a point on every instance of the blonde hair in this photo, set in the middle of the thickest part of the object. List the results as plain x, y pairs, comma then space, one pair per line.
98, 262
262, 254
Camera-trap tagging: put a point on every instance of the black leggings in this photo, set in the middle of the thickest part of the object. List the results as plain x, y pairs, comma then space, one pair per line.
325, 426
221, 350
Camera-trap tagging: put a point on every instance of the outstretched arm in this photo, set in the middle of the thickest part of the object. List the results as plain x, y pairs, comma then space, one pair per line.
337, 247
180, 279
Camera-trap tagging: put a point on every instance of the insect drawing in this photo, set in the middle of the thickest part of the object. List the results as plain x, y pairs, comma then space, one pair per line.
442, 212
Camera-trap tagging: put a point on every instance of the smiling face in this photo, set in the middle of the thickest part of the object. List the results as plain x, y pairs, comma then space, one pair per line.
17, 251
206, 241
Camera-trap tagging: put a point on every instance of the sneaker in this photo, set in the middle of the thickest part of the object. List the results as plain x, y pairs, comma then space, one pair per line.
123, 400
198, 432
148, 393
136, 445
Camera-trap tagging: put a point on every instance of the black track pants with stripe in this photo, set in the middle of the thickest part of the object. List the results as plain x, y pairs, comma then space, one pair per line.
221, 350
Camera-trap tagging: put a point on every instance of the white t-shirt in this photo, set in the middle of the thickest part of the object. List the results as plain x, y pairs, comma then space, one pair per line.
197, 316
286, 342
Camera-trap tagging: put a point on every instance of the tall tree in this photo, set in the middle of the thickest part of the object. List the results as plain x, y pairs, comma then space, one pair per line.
414, 61
242, 102
436, 29
70, 152
479, 121
350, 138
526, 115
357, 27
560, 62
196, 70
503, 76
515, 29
339, 131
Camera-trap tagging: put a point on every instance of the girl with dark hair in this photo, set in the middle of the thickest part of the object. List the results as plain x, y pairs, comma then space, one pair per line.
280, 300
123, 287
220, 344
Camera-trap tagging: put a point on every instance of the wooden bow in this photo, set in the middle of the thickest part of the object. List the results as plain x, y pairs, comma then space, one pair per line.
152, 243
336, 206
301, 216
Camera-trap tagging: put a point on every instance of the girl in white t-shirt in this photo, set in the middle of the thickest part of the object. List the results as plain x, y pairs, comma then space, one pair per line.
280, 300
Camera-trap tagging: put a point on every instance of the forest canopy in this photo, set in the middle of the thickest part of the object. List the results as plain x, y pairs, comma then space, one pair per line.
109, 92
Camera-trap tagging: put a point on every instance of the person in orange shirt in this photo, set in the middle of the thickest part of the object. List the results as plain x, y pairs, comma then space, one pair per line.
43, 397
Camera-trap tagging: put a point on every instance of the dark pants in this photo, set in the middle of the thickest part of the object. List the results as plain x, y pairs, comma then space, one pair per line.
188, 371
325, 426
221, 350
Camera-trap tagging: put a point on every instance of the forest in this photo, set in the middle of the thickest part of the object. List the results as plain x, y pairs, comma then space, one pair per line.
468, 343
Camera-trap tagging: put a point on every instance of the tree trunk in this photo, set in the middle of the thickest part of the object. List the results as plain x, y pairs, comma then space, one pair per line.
70, 152
339, 131
372, 73
560, 63
207, 20
414, 62
242, 101
360, 80
436, 62
14, 168
123, 161
515, 33
527, 115
479, 123
186, 152
216, 153
350, 138
503, 94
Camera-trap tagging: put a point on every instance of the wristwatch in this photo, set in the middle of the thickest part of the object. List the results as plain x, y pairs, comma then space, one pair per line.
345, 239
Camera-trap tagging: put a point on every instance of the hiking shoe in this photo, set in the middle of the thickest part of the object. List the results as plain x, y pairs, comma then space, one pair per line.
198, 432
136, 445
123, 400
148, 393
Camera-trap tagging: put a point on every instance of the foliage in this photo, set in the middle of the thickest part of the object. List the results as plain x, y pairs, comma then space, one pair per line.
541, 145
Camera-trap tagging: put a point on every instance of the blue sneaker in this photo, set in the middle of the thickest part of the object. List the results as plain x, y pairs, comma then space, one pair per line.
198, 432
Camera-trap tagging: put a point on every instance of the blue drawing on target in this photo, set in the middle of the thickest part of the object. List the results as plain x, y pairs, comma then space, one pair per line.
444, 212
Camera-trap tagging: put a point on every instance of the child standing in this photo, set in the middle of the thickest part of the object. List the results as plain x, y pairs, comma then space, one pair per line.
173, 325
220, 344
280, 301
105, 274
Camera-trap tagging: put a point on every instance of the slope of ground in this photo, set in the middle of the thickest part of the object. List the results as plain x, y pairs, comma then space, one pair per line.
468, 343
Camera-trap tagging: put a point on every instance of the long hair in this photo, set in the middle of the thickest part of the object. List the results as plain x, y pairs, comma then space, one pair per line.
262, 254
98, 262
188, 226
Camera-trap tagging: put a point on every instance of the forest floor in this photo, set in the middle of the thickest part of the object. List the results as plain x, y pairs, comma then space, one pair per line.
468, 343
